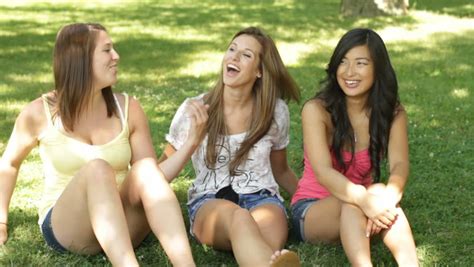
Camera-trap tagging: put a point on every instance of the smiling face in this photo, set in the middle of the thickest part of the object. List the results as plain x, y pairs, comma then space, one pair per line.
105, 62
241, 62
355, 73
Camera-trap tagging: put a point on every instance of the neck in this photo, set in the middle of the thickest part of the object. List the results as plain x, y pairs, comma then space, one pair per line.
356, 106
237, 98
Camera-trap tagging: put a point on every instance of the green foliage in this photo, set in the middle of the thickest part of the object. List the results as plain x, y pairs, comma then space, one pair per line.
171, 50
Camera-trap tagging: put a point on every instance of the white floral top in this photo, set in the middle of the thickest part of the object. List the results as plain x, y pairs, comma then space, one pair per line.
253, 175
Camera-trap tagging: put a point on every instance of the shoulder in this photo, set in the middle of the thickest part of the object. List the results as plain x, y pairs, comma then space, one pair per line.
400, 114
281, 106
33, 117
136, 114
399, 110
315, 107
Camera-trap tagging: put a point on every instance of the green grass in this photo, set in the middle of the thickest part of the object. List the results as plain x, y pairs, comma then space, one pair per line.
171, 50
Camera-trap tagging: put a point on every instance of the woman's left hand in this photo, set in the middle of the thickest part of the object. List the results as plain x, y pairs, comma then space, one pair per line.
197, 113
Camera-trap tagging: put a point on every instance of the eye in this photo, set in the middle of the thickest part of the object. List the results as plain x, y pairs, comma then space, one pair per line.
231, 49
247, 55
343, 61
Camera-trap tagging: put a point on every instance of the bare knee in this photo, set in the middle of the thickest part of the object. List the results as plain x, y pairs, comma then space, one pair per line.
145, 169
241, 218
376, 189
98, 170
351, 212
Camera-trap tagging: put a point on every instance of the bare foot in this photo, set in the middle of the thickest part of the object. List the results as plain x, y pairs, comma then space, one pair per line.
284, 258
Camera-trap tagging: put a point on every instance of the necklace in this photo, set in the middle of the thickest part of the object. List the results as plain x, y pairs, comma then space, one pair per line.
355, 137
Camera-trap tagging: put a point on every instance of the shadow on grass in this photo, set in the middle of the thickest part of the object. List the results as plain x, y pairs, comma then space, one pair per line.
157, 39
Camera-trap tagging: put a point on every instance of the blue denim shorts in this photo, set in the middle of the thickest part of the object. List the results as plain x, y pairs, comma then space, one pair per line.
246, 201
298, 212
47, 231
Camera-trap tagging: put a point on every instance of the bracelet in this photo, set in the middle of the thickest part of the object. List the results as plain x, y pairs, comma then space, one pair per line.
4, 223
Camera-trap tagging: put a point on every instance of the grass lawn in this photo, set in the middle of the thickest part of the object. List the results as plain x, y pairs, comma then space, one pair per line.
171, 50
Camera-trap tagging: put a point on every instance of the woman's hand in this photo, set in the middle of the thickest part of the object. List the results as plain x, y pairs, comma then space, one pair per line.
379, 210
3, 233
382, 207
197, 113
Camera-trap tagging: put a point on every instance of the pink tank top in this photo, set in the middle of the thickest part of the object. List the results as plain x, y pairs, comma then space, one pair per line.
357, 172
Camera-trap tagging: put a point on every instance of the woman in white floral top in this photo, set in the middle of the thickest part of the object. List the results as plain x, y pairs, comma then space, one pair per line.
234, 202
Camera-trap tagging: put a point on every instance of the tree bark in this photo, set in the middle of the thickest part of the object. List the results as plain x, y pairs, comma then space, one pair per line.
371, 8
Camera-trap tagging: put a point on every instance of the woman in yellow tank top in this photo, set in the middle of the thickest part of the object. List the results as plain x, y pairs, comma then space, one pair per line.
104, 190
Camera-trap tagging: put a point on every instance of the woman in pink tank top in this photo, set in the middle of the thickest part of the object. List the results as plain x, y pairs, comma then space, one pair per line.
349, 127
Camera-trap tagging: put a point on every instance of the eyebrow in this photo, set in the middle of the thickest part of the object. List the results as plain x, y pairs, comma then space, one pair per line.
248, 49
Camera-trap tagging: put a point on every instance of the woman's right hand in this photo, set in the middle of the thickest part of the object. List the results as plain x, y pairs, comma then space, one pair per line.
3, 233
380, 211
197, 113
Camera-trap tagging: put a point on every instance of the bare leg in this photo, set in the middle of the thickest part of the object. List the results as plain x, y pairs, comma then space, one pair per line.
271, 222
355, 243
146, 192
322, 221
224, 225
88, 216
399, 239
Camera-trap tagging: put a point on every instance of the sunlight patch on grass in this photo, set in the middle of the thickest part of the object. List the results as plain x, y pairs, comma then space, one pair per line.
37, 78
203, 63
428, 24
292, 53
161, 32
14, 107
460, 93
86, 3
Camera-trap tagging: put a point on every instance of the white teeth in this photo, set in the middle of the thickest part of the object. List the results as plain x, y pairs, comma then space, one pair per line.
233, 67
351, 82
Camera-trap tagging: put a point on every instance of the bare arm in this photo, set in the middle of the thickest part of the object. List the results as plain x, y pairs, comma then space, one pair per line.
398, 157
172, 161
284, 175
140, 137
24, 137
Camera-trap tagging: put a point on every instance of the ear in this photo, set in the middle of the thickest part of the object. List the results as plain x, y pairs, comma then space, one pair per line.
259, 75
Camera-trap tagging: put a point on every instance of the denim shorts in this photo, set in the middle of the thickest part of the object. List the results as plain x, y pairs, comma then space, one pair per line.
298, 212
47, 231
246, 201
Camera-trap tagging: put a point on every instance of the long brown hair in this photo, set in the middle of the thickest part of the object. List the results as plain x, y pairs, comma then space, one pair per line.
73, 74
275, 83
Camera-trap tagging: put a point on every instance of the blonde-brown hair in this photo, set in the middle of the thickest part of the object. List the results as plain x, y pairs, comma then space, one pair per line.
73, 74
275, 83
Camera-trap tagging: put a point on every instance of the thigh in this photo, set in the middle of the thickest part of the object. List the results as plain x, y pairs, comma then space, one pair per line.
137, 222
213, 221
70, 217
273, 225
321, 222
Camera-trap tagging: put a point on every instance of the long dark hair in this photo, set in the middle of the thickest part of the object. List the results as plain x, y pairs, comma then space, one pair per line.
73, 74
382, 100
276, 82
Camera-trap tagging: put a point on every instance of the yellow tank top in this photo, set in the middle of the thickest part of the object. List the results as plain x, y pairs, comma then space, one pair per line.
63, 156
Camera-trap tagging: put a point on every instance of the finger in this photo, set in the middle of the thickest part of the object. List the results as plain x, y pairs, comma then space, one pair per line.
199, 110
379, 223
385, 221
377, 230
368, 228
373, 230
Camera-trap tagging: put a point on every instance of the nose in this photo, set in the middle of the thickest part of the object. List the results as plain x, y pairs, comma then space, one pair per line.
235, 56
115, 55
349, 69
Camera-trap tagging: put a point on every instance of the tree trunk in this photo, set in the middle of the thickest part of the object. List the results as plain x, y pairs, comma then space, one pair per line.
371, 8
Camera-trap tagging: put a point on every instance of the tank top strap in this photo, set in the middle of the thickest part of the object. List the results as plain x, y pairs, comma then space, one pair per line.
47, 110
126, 107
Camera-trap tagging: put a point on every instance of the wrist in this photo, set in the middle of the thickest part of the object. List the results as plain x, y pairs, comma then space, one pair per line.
360, 195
